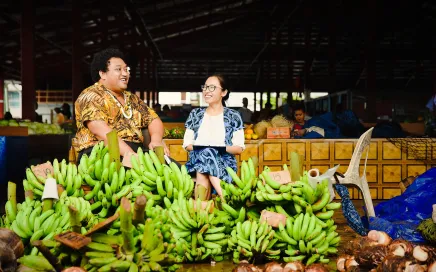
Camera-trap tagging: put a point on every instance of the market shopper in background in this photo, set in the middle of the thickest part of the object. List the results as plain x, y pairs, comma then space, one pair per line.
107, 106
245, 112
304, 129
60, 118
213, 136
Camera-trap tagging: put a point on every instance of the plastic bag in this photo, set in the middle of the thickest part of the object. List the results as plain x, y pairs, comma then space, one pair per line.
400, 215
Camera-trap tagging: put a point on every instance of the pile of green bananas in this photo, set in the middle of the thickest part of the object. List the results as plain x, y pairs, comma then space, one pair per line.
242, 190
251, 238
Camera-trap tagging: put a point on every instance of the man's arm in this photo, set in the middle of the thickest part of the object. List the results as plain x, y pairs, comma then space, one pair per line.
100, 129
156, 130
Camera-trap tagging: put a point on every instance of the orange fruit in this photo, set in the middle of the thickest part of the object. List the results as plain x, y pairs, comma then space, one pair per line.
249, 131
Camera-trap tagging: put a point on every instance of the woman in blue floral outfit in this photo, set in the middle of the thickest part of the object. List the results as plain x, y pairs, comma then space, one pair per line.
214, 135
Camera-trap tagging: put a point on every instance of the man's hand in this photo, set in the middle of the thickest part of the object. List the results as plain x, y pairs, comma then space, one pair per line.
127, 159
152, 145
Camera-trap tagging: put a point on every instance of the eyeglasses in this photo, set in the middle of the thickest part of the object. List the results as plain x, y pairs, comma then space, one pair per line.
209, 88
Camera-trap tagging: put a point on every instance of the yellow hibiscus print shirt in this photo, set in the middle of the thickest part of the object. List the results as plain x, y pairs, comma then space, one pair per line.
96, 104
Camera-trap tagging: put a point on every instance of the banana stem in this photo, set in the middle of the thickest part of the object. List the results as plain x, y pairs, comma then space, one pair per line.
29, 194
47, 204
75, 223
295, 166
12, 195
159, 150
126, 226
138, 210
53, 260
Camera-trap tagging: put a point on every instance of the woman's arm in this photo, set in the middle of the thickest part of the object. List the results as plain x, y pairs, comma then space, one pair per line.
238, 143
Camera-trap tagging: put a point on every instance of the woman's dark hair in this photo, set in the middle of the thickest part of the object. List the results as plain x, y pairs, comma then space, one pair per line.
57, 110
224, 84
100, 62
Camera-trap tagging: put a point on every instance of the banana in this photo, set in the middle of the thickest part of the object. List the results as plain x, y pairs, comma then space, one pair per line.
305, 225
333, 206
230, 210
297, 227
314, 233
100, 247
325, 215
98, 254
320, 238
273, 184
149, 163
288, 239
121, 177
156, 162
108, 191
18, 231
116, 266
311, 227
322, 202
235, 177
99, 262
10, 212
38, 263
214, 237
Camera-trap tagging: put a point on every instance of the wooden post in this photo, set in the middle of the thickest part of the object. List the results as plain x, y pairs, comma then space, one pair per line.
307, 42
332, 48
141, 77
2, 92
371, 87
27, 59
148, 77
76, 57
291, 56
103, 23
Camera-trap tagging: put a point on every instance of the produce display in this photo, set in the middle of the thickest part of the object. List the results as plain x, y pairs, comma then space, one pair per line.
156, 225
34, 128
260, 128
378, 252
174, 133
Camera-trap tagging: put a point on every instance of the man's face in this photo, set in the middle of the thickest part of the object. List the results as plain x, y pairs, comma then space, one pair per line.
117, 76
299, 116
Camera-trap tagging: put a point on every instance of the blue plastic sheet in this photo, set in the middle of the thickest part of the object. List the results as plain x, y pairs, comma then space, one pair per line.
400, 215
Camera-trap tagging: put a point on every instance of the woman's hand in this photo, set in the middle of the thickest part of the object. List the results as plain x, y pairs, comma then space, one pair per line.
234, 149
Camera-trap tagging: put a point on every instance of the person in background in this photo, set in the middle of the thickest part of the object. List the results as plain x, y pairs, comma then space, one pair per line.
66, 111
213, 136
8, 116
60, 118
157, 109
107, 105
245, 112
38, 117
266, 112
302, 128
287, 109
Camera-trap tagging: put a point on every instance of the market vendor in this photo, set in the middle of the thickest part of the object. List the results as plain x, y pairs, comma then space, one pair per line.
302, 128
213, 136
107, 106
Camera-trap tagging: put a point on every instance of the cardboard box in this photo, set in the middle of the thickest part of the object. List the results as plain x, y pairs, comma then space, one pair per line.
278, 133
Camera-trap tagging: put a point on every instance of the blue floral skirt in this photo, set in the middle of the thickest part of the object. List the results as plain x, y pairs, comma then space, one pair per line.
209, 161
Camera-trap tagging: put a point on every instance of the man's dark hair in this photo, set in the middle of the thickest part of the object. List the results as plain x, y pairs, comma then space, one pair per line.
100, 62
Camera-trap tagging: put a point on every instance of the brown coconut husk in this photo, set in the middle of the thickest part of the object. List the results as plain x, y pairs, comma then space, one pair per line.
261, 129
281, 121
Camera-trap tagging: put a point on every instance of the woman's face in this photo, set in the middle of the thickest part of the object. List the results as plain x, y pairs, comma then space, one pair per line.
299, 116
212, 91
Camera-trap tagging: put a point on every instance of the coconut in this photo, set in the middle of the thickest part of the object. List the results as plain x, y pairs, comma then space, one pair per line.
261, 129
281, 121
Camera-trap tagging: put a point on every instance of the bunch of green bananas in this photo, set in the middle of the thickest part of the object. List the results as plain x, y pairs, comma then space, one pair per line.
164, 180
306, 237
242, 189
250, 238
69, 177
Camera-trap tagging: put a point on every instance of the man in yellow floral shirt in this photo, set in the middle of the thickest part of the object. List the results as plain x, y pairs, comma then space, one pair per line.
107, 106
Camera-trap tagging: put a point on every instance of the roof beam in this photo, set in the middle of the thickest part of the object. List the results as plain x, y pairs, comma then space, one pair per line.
133, 15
